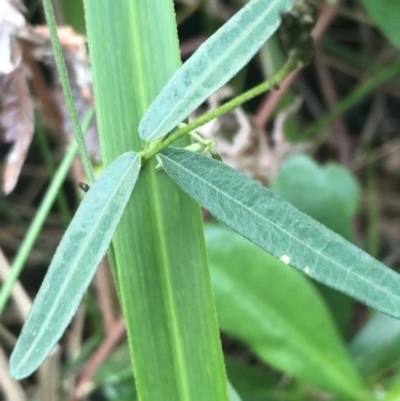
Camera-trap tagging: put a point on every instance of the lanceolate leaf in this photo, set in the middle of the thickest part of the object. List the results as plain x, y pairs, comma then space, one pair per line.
268, 221
80, 251
213, 64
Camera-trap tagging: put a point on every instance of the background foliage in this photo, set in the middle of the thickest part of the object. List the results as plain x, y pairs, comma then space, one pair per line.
284, 337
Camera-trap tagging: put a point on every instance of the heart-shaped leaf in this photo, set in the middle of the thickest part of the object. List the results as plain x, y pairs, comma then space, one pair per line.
330, 194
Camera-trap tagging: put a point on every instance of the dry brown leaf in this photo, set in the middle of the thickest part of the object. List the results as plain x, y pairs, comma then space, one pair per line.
16, 108
242, 145
219, 9
11, 390
282, 148
11, 21
77, 62
16, 121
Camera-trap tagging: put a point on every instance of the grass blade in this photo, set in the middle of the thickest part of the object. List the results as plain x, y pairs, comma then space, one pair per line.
80, 251
66, 87
271, 223
164, 284
213, 64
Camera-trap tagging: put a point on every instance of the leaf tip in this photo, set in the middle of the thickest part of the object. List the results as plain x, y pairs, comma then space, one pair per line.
152, 126
142, 128
25, 360
17, 370
145, 131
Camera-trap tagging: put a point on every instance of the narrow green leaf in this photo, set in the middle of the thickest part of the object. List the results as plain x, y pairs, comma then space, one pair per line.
161, 261
286, 332
213, 64
271, 223
377, 346
80, 251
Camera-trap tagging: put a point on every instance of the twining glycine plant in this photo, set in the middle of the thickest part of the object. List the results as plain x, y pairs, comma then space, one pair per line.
237, 201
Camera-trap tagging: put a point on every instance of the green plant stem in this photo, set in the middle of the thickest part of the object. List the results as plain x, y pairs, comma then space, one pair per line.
62, 71
78, 131
351, 99
50, 166
39, 219
372, 210
292, 64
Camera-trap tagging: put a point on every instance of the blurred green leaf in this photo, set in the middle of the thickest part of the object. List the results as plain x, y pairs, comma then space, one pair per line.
78, 361
262, 383
74, 15
233, 395
122, 391
115, 378
282, 230
377, 346
386, 15
330, 195
249, 379
116, 368
393, 393
277, 313
213, 64
76, 259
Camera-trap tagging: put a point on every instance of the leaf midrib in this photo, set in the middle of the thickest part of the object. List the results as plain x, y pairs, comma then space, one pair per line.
164, 263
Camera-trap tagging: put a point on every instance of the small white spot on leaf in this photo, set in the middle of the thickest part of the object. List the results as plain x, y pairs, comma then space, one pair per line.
307, 270
285, 259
